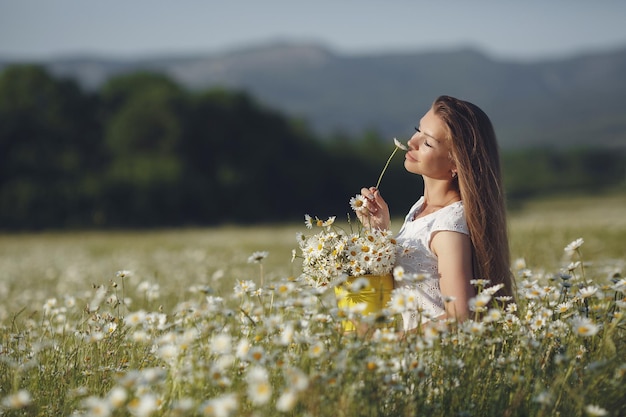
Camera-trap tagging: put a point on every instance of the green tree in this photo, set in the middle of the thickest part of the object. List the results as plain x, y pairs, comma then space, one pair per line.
49, 149
144, 122
245, 162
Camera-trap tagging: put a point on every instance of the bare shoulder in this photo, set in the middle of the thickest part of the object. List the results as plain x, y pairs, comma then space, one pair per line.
450, 243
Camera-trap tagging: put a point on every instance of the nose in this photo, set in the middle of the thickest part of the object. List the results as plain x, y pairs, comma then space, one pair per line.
413, 142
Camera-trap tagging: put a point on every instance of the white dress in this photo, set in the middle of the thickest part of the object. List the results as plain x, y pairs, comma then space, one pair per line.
416, 257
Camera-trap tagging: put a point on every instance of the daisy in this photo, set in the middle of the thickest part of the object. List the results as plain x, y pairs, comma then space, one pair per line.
573, 266
135, 319
259, 388
479, 303
493, 289
139, 336
398, 302
153, 292
243, 348
50, 306
329, 222
543, 397
168, 352
296, 379
143, 406
257, 354
357, 203
575, 245
564, 307
316, 349
595, 410
493, 315
584, 327
223, 406
97, 407
537, 323
587, 291
620, 285
243, 287
182, 406
221, 344
308, 221
117, 397
95, 337
110, 328
123, 274
430, 333
533, 293
257, 257
286, 288
70, 302
20, 399
519, 264
157, 320
581, 352
285, 338
475, 328
287, 401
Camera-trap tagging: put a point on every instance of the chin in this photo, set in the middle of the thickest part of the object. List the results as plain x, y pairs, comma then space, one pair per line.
411, 168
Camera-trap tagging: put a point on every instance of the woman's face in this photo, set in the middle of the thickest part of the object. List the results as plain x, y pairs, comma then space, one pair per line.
429, 152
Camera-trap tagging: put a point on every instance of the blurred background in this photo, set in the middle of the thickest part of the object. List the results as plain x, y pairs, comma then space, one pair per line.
148, 114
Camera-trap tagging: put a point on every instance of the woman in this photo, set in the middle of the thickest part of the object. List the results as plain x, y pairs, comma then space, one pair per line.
456, 231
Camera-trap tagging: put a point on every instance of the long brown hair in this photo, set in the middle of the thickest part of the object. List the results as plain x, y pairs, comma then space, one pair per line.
475, 151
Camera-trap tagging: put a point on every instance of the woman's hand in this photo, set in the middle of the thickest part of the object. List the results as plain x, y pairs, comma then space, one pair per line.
375, 214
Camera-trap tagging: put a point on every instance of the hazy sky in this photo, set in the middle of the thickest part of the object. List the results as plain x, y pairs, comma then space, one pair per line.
524, 29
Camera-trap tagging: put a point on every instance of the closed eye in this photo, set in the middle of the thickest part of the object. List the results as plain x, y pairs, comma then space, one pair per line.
417, 129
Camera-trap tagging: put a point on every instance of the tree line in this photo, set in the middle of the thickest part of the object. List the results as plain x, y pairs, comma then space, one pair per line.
141, 151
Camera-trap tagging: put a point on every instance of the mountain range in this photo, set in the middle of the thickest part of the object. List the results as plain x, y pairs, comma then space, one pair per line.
565, 102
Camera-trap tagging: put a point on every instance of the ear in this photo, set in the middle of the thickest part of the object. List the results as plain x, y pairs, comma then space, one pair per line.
453, 169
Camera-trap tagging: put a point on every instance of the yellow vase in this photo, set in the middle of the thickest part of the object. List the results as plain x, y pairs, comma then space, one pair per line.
375, 296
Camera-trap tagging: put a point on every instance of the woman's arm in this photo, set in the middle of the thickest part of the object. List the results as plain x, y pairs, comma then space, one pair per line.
454, 254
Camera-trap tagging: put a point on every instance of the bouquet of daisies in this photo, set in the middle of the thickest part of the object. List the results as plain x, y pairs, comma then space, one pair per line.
332, 254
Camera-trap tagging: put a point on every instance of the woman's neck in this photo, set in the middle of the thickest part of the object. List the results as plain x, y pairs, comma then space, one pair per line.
436, 198
440, 193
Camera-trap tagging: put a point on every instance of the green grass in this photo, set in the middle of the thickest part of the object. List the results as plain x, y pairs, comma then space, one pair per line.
540, 229
187, 333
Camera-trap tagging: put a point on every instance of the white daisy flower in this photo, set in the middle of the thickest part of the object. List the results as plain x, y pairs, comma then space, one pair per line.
587, 291
595, 410
583, 326
259, 388
287, 401
258, 257
221, 344
398, 273
135, 319
143, 406
223, 406
20, 399
400, 144
576, 244
357, 203
97, 407
308, 221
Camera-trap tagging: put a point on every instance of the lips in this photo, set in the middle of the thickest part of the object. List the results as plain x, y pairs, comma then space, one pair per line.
408, 157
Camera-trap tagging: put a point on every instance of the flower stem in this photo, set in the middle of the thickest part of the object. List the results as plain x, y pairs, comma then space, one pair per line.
386, 165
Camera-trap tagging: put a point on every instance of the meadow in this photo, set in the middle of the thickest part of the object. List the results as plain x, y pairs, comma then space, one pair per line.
215, 322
